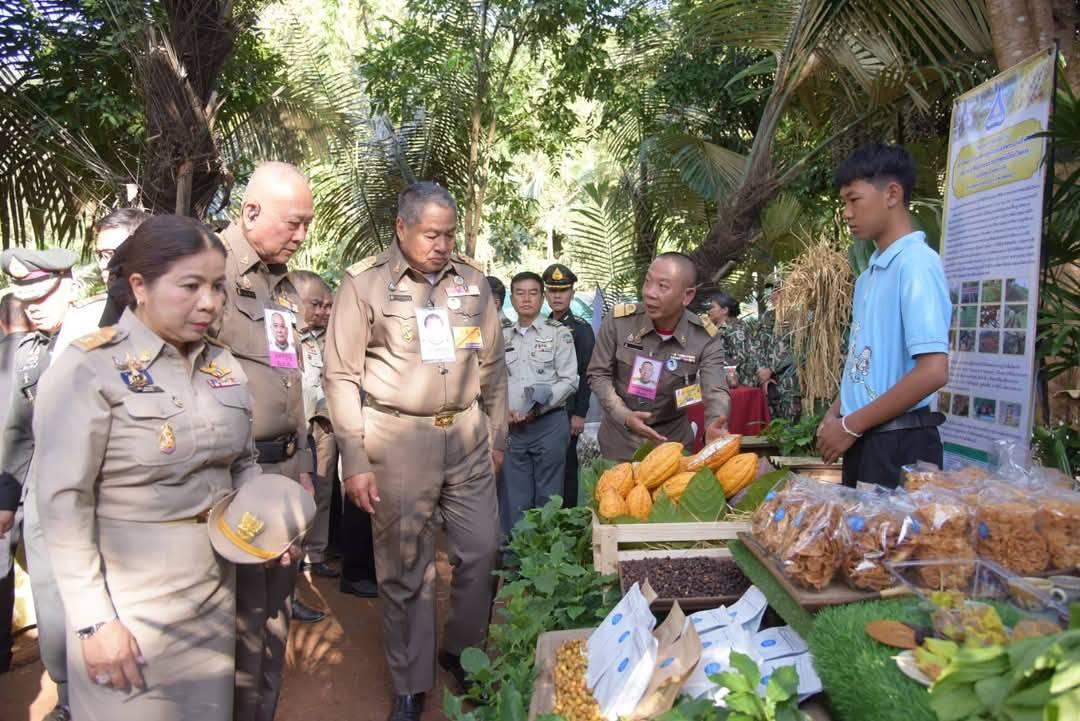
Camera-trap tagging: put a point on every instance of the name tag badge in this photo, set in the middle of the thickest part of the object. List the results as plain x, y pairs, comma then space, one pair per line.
688, 395
280, 343
401, 297
684, 357
222, 382
468, 338
644, 377
436, 338
454, 291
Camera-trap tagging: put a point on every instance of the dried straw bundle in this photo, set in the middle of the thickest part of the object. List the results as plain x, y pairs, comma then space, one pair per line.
814, 310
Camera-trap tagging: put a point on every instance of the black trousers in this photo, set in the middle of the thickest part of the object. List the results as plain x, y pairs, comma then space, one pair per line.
877, 457
357, 547
7, 610
570, 483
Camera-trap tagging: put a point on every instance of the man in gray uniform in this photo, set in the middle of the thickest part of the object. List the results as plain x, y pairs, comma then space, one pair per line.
542, 375
42, 281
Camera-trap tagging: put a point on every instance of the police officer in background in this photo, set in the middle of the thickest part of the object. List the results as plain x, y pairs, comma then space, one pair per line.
659, 331
273, 222
42, 280
426, 438
542, 375
559, 288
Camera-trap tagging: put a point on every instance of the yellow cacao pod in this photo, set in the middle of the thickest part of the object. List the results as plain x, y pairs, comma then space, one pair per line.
612, 505
676, 485
715, 454
661, 464
639, 502
636, 466
619, 478
737, 473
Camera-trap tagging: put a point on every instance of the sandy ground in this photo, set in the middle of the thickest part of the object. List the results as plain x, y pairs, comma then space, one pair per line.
335, 668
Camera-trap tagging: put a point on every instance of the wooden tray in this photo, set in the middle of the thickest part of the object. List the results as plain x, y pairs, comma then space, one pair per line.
835, 594
695, 603
543, 696
608, 537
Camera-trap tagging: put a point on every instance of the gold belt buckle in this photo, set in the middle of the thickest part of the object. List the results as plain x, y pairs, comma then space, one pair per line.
444, 420
290, 448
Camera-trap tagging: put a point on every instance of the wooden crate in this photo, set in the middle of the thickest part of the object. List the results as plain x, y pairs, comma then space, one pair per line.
608, 537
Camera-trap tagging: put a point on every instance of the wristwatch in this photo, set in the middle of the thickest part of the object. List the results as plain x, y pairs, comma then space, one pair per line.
85, 633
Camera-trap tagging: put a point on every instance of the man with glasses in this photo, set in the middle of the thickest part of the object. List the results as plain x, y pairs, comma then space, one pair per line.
109, 232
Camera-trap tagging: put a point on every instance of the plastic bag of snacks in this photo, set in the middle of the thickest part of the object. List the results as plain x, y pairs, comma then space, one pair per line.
1006, 529
818, 538
944, 530
1058, 521
881, 527
772, 520
922, 475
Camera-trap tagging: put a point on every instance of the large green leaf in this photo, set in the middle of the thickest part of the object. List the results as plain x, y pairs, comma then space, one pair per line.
703, 499
664, 510
643, 450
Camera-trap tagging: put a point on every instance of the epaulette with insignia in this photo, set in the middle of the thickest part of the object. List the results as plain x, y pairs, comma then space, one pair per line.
506, 322
360, 266
553, 322
102, 336
622, 310
467, 261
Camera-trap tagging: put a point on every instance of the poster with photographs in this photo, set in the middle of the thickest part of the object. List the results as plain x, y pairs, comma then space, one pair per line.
991, 248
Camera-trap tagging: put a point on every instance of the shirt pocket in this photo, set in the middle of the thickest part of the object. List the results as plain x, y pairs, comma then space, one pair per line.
236, 415
250, 307
399, 331
157, 424
542, 357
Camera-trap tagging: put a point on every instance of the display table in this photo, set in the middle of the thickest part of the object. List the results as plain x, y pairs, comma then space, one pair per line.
749, 412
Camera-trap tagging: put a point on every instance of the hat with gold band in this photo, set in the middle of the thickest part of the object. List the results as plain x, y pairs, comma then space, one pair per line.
559, 277
258, 522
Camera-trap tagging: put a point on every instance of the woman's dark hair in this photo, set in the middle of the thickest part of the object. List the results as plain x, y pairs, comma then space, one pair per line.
726, 301
151, 251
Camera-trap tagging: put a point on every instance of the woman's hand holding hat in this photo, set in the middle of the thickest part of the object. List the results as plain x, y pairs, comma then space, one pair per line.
261, 522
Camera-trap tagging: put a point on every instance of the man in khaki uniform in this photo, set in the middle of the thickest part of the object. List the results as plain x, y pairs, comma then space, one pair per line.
315, 300
276, 213
658, 333
425, 441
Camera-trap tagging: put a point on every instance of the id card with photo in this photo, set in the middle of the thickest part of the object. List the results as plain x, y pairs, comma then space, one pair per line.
644, 377
280, 339
688, 395
436, 335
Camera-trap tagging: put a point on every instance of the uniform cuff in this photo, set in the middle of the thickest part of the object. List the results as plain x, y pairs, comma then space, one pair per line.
93, 606
353, 462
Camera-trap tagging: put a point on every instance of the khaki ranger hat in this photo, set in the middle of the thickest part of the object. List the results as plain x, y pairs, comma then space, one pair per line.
36, 273
260, 521
559, 277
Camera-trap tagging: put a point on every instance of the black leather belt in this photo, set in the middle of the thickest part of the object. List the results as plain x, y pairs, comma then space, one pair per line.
278, 450
919, 418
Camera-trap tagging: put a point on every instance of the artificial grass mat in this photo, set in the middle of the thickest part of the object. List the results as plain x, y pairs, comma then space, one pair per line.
792, 613
858, 673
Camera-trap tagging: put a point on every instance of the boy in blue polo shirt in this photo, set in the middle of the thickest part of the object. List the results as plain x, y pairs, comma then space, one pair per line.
898, 352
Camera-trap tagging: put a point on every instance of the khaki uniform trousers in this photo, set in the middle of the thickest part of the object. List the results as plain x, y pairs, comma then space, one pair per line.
318, 536
424, 472
263, 611
48, 605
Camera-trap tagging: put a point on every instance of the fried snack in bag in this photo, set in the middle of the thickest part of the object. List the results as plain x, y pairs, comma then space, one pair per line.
944, 530
922, 474
1058, 521
818, 540
771, 523
1006, 530
881, 530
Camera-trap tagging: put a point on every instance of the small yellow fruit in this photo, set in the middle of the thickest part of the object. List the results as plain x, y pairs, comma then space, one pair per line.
661, 464
716, 453
675, 486
612, 505
619, 478
737, 473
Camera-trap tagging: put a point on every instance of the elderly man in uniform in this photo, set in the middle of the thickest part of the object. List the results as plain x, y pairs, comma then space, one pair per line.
542, 375
42, 281
109, 232
559, 288
315, 301
661, 331
273, 223
426, 439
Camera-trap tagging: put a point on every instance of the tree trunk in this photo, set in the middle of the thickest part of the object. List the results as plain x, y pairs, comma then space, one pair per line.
1065, 17
1011, 30
184, 176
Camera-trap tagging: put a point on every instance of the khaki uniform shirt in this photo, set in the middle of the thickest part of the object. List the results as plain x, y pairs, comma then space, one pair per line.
164, 453
696, 356
311, 349
251, 287
373, 343
82, 318
32, 358
540, 354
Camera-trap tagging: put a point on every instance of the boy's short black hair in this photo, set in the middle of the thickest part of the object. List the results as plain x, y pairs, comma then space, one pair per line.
524, 276
498, 290
878, 163
724, 300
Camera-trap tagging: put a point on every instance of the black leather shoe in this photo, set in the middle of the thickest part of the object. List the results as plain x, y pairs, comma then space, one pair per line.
320, 569
59, 713
306, 614
407, 708
451, 663
362, 588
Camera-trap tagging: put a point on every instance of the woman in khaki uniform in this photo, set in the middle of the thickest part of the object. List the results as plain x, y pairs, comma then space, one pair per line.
143, 427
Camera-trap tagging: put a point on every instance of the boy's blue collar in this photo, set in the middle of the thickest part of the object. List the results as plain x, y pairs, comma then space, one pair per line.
882, 260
